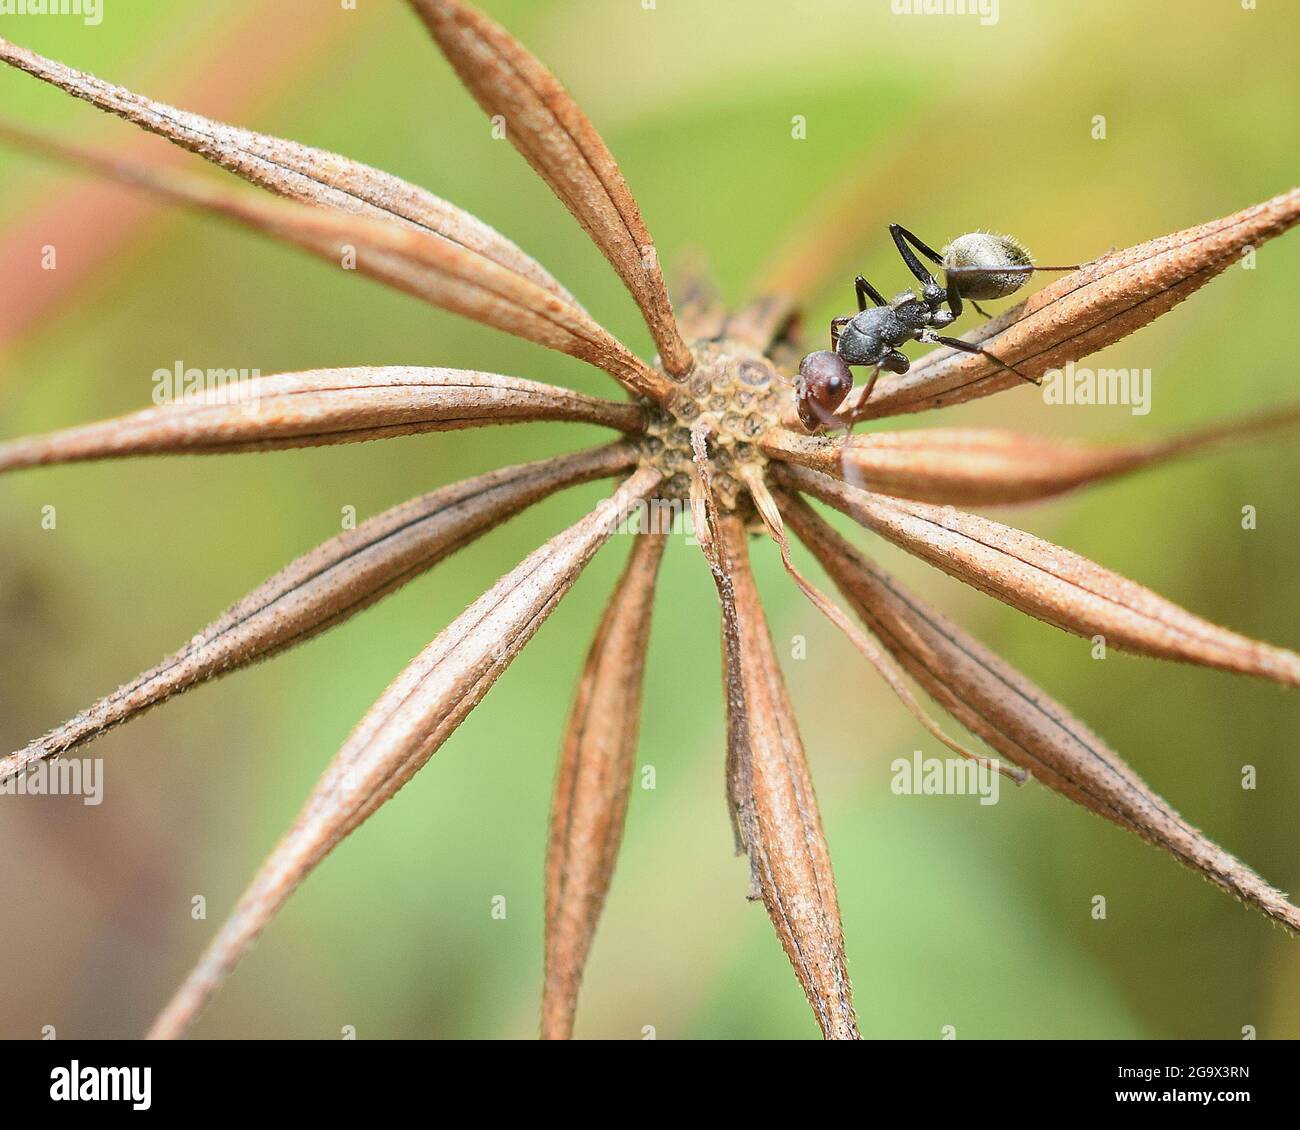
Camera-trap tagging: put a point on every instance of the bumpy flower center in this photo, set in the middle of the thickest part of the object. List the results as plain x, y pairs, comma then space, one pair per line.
739, 395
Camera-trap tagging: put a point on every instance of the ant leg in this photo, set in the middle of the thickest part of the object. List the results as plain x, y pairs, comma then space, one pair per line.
897, 230
837, 324
979, 309
852, 418
866, 388
967, 347
893, 361
865, 290
901, 239
1018, 269
954, 299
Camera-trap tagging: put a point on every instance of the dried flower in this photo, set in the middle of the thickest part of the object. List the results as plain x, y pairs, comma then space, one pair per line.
708, 422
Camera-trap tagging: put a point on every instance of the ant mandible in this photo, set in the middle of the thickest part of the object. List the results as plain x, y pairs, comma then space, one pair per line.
975, 265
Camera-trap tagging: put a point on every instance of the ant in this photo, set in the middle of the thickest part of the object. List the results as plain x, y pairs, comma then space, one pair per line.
976, 265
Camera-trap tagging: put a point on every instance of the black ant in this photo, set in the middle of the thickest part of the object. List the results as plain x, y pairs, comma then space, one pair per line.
976, 265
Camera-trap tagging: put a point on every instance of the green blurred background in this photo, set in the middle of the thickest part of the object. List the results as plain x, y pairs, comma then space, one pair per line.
955, 914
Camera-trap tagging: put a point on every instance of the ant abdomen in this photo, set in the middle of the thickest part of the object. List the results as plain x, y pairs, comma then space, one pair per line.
986, 265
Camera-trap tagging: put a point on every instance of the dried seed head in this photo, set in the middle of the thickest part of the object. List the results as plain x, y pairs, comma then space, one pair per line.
738, 395
710, 434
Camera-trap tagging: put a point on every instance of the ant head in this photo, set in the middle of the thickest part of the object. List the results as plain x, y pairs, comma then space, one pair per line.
824, 381
985, 265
